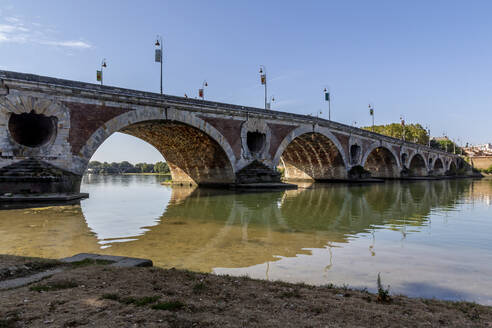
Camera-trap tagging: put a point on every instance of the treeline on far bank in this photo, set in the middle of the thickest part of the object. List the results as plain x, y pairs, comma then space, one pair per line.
415, 133
96, 167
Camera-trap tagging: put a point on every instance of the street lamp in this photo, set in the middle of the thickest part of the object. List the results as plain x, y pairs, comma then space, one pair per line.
371, 112
429, 134
201, 92
158, 54
327, 98
402, 121
99, 73
264, 81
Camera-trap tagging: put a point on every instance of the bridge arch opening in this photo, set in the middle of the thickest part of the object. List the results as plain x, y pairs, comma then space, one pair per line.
417, 166
313, 156
193, 157
31, 129
438, 167
382, 163
452, 169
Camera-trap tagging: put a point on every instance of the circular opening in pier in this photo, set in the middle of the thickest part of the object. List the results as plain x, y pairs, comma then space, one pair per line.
255, 141
31, 129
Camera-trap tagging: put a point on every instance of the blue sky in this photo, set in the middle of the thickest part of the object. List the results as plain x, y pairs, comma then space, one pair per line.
428, 60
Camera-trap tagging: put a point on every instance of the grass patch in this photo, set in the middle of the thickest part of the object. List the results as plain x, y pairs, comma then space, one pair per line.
112, 297
169, 306
198, 287
55, 285
291, 293
10, 320
87, 262
383, 293
138, 301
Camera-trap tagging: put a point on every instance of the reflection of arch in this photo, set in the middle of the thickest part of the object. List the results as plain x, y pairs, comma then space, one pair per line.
381, 162
309, 155
195, 151
417, 165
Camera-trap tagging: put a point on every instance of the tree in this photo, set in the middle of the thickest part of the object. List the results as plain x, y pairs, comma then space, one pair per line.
412, 132
144, 167
161, 167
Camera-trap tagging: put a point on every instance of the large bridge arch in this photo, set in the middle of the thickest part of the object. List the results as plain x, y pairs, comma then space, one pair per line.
195, 151
382, 161
438, 167
312, 154
418, 165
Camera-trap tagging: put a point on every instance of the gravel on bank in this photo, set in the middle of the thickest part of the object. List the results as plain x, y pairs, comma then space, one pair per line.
103, 296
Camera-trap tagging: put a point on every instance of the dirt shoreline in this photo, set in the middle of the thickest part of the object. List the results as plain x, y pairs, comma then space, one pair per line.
103, 296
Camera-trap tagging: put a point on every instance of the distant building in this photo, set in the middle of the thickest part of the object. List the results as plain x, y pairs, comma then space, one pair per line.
484, 147
479, 150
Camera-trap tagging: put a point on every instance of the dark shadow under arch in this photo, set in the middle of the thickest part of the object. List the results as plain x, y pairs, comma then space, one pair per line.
382, 163
313, 156
417, 166
438, 167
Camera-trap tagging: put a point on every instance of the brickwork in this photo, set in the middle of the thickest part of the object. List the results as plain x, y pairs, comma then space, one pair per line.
193, 157
85, 119
312, 156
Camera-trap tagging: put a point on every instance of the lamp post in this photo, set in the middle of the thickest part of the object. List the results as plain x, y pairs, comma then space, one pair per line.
201, 92
371, 112
99, 75
429, 134
327, 98
158, 54
402, 121
264, 81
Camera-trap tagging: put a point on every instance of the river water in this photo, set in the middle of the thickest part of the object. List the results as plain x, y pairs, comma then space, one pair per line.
426, 238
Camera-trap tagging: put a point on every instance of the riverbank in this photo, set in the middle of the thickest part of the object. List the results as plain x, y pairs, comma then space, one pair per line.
104, 296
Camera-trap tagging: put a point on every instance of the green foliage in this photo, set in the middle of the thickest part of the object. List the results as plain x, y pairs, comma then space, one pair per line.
383, 293
55, 285
169, 306
126, 167
487, 170
446, 145
198, 287
161, 167
138, 301
412, 132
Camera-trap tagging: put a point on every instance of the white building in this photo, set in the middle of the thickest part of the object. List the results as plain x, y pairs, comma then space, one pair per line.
484, 147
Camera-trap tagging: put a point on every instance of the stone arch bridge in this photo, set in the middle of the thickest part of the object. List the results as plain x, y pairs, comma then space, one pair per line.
50, 128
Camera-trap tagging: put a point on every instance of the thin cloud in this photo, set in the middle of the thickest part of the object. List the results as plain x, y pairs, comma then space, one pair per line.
15, 31
68, 44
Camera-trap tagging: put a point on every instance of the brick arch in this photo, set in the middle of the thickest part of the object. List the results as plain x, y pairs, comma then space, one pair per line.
312, 154
195, 151
382, 161
418, 165
438, 166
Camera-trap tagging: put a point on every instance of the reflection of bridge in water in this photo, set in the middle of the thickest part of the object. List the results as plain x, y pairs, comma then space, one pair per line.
203, 229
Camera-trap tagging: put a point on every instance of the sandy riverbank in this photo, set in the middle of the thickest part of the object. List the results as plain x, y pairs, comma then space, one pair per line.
103, 296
